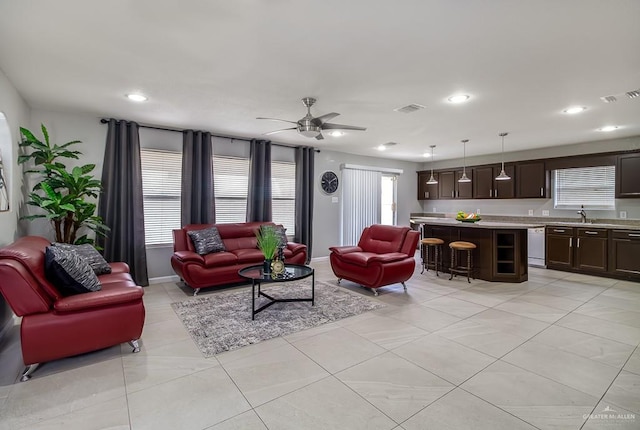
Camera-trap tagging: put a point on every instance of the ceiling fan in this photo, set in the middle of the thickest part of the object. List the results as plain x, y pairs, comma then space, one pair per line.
310, 126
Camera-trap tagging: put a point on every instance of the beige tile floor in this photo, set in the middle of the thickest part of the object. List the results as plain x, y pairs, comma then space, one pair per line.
559, 351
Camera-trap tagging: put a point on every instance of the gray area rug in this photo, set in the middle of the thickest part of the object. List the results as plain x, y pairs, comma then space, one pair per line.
222, 321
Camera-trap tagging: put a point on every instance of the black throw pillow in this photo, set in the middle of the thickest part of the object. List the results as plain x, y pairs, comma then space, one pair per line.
89, 254
207, 240
69, 272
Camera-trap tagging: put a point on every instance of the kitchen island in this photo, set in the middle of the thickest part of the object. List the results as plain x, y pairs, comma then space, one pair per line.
501, 253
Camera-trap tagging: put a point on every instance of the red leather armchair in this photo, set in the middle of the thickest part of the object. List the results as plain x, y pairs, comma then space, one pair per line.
54, 326
384, 256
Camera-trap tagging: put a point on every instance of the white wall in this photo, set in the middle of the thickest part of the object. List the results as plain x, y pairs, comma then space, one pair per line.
326, 214
16, 113
521, 207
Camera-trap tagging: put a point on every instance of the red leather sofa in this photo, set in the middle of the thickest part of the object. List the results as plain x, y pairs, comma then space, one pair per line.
384, 256
54, 326
221, 268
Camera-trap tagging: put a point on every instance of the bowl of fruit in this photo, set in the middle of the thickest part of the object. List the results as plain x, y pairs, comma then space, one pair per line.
467, 217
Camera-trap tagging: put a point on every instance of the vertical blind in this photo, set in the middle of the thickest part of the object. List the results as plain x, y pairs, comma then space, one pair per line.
161, 184
361, 190
591, 187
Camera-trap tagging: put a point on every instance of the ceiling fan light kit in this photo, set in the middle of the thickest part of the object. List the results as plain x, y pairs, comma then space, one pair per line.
503, 175
312, 127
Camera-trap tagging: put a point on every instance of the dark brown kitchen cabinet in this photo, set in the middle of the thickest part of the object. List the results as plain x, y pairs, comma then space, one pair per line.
486, 187
447, 185
533, 180
559, 247
628, 176
465, 189
591, 249
624, 253
426, 191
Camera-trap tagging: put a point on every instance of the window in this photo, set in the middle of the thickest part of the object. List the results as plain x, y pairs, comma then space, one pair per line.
593, 187
283, 194
231, 184
161, 186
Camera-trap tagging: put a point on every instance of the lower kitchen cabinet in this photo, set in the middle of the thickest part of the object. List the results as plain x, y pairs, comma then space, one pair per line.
624, 253
594, 251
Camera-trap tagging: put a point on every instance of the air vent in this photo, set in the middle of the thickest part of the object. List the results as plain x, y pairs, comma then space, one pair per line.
633, 94
609, 99
409, 108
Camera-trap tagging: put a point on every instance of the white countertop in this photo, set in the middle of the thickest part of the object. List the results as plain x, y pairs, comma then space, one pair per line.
479, 224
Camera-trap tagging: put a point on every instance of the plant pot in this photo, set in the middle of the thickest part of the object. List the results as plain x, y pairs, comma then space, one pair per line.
266, 266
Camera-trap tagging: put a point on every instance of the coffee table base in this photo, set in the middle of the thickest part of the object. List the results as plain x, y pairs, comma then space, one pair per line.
273, 300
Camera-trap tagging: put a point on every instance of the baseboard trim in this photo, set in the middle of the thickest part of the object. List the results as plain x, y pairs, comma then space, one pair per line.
163, 279
320, 258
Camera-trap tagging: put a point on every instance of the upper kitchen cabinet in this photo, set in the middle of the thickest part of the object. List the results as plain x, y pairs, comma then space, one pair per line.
628, 175
533, 180
427, 191
464, 189
486, 187
447, 185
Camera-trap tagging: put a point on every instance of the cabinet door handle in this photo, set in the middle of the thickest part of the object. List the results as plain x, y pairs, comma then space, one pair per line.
490, 193
558, 231
578, 242
452, 194
570, 242
495, 194
591, 232
426, 194
634, 235
541, 192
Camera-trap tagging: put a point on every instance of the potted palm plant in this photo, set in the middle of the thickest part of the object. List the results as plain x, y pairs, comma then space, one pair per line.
268, 243
61, 194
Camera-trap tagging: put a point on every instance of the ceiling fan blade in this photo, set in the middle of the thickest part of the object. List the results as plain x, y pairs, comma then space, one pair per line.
328, 126
277, 119
327, 117
319, 136
279, 131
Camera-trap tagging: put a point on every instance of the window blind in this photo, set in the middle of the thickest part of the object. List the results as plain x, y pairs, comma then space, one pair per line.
161, 189
592, 187
283, 194
361, 190
231, 181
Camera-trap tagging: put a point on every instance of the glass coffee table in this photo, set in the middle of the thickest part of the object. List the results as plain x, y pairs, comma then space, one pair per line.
293, 272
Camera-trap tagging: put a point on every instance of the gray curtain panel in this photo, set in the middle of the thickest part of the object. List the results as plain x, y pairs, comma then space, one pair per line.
304, 197
259, 194
121, 202
198, 203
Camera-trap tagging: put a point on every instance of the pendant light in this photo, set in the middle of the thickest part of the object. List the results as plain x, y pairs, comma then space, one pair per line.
464, 177
432, 180
503, 175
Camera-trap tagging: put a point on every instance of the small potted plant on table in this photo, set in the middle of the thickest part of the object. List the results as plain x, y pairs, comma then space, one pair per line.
268, 243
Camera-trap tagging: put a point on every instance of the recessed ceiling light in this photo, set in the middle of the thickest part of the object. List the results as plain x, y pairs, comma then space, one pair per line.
381, 147
608, 128
336, 133
137, 97
460, 98
574, 109
426, 155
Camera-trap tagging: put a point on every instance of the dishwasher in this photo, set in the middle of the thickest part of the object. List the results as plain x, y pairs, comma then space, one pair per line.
536, 246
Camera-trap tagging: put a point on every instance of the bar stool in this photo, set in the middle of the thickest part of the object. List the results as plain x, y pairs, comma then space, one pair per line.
427, 243
462, 270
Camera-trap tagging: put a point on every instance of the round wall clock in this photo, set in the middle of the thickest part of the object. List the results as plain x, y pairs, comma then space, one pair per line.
329, 182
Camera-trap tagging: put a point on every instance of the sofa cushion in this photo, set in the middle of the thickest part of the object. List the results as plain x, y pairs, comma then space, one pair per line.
207, 240
69, 272
249, 255
89, 254
220, 259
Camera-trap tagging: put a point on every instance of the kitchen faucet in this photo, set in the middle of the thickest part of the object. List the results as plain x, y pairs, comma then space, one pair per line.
583, 214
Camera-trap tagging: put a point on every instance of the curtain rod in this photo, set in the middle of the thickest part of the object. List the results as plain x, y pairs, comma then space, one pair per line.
177, 130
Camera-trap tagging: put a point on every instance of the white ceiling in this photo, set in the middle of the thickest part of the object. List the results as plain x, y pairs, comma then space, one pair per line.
217, 65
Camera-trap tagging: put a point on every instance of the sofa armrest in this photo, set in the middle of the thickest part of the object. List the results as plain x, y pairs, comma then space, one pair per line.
119, 267
97, 299
341, 250
189, 256
388, 258
296, 247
